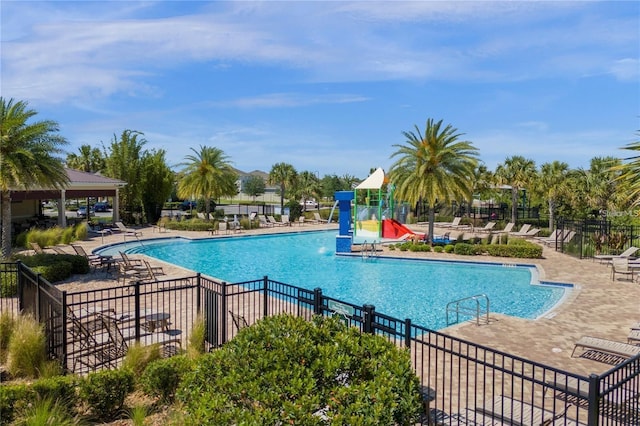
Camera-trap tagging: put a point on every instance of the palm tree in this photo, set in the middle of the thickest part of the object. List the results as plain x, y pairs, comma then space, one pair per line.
284, 175
433, 166
208, 174
308, 186
88, 159
517, 172
630, 174
27, 158
552, 183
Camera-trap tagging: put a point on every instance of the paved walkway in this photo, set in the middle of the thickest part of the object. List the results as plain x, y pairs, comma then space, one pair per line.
596, 307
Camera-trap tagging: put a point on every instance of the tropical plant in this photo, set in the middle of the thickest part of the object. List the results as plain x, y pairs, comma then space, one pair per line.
284, 175
307, 187
630, 174
124, 163
254, 186
552, 184
434, 166
88, 159
27, 158
157, 183
517, 172
207, 174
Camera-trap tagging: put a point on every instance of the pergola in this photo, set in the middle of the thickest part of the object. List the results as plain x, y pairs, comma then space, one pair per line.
81, 185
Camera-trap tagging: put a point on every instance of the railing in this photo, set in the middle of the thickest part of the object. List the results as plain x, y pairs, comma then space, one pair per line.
457, 376
457, 308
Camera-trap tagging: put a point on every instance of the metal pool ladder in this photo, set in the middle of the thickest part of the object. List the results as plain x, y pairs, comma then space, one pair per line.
370, 252
458, 307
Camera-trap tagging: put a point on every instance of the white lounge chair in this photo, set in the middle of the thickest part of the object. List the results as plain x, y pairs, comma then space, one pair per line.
523, 230
318, 219
625, 254
606, 347
128, 231
487, 228
621, 266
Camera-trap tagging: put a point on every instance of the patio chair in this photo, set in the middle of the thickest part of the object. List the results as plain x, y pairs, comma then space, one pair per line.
128, 231
36, 248
274, 221
508, 227
620, 266
455, 222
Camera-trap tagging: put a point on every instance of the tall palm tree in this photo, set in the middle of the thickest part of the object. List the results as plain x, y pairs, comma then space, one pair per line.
552, 184
433, 166
208, 174
88, 159
27, 158
284, 175
517, 172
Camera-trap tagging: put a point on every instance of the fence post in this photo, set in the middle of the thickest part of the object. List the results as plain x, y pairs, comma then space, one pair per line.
223, 312
20, 286
265, 298
65, 352
37, 297
198, 296
593, 400
369, 313
136, 303
317, 301
407, 333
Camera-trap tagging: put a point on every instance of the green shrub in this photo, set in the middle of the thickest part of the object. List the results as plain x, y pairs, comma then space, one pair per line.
286, 368
438, 249
45, 412
13, 398
26, 352
8, 285
196, 344
67, 236
105, 391
465, 249
54, 273
60, 388
516, 248
139, 356
162, 377
81, 231
7, 326
192, 225
449, 248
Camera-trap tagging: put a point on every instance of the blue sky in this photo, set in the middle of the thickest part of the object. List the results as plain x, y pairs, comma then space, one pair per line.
330, 86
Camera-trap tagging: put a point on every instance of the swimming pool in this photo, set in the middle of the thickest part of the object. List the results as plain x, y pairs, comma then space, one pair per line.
403, 288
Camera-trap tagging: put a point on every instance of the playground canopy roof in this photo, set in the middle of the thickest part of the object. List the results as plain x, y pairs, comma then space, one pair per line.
374, 181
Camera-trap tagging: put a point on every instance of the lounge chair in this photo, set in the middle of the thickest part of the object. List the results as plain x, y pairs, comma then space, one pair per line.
487, 228
36, 248
222, 227
621, 266
606, 347
523, 229
264, 222
556, 235
628, 253
455, 222
128, 231
95, 261
318, 219
507, 228
634, 337
504, 410
275, 222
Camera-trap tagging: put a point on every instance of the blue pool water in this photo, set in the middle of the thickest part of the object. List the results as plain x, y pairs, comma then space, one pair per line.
415, 289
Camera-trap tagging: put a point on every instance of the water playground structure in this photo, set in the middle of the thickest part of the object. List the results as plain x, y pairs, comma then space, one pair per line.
375, 215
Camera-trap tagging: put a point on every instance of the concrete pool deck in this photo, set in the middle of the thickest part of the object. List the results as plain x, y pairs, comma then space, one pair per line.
597, 306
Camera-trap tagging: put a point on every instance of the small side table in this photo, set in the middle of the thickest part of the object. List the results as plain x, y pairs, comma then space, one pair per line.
157, 321
427, 395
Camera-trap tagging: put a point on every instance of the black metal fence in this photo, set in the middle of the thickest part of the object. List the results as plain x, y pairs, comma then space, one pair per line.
462, 382
595, 237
